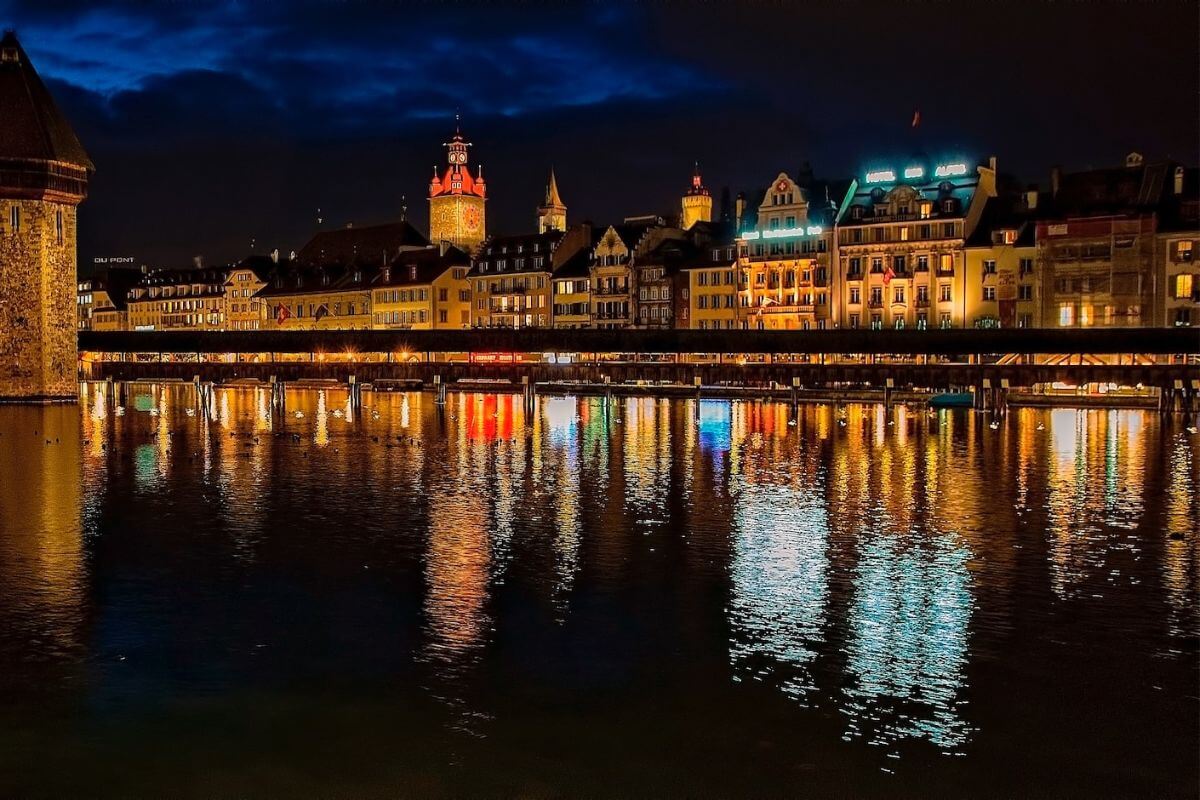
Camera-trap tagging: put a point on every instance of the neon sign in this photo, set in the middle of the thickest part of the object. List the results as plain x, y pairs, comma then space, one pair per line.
949, 170
914, 172
881, 175
783, 233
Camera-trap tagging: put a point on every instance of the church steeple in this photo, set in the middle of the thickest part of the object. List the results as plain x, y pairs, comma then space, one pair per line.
552, 214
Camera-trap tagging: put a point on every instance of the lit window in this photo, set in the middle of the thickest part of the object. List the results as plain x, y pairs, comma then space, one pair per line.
1183, 286
1184, 250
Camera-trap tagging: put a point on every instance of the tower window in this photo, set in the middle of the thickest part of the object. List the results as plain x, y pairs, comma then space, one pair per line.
58, 226
15, 218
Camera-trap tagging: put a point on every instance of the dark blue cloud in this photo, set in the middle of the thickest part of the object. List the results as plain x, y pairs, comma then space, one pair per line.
217, 123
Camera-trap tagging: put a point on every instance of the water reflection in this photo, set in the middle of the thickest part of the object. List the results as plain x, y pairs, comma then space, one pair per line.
879, 581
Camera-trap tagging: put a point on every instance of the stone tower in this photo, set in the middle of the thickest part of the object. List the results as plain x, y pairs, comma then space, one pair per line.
552, 214
697, 203
456, 200
44, 174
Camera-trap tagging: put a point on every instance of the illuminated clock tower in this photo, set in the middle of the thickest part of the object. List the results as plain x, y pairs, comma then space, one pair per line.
456, 199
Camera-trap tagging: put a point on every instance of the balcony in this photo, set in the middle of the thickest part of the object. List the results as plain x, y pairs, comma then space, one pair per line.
610, 290
922, 302
875, 303
945, 272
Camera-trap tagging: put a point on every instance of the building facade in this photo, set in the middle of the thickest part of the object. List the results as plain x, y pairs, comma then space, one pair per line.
178, 300
510, 281
1002, 288
785, 261
44, 173
317, 298
901, 243
423, 290
457, 212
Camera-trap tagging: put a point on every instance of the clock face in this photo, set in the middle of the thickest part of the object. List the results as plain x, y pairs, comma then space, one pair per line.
472, 218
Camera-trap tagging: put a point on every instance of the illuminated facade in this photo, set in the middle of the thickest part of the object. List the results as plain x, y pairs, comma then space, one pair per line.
101, 300
785, 264
44, 173
552, 214
311, 298
456, 200
1002, 288
711, 293
242, 306
178, 300
1096, 250
510, 281
1176, 251
423, 290
572, 288
696, 205
612, 272
901, 240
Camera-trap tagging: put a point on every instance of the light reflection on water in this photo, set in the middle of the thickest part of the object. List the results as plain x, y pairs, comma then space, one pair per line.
886, 576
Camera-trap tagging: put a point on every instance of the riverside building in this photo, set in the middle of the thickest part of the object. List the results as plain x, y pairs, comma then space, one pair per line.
901, 241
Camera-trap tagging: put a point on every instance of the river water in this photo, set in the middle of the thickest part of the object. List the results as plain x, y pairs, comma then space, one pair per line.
626, 598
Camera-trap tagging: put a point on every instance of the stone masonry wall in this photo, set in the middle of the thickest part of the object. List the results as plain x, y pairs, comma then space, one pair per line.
38, 358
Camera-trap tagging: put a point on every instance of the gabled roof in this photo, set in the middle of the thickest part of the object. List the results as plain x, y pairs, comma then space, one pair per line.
370, 244
1006, 213
577, 266
419, 267
31, 126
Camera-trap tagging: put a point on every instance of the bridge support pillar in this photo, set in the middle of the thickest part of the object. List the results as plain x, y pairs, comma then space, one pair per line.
439, 388
795, 397
889, 385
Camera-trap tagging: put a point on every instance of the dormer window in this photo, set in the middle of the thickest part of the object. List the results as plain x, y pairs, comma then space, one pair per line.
948, 206
412, 272
925, 209
856, 212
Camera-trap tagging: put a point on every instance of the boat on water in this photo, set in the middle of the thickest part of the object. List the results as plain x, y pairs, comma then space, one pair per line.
952, 400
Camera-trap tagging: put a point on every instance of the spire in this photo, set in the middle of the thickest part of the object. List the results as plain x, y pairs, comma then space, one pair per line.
552, 198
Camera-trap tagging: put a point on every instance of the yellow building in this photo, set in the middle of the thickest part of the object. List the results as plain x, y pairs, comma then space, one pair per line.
457, 199
696, 205
612, 275
101, 299
901, 238
1002, 288
1178, 243
572, 291
317, 298
178, 300
242, 306
510, 281
711, 295
785, 262
423, 290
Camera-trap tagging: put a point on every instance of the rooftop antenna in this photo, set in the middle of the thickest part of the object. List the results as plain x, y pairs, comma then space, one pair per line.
404, 208
319, 219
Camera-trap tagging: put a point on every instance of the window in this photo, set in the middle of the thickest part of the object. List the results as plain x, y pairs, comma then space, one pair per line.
944, 293
855, 296
1066, 315
948, 230
58, 227
14, 218
1183, 286
989, 266
904, 234
898, 295
1026, 266
1183, 251
1024, 292
925, 209
922, 263
876, 296
898, 265
855, 266
876, 265
922, 294
989, 293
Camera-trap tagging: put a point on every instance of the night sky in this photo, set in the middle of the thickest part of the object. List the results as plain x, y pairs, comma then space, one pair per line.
217, 124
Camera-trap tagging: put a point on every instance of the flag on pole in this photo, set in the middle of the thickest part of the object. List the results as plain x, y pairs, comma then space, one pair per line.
282, 314
323, 311
888, 274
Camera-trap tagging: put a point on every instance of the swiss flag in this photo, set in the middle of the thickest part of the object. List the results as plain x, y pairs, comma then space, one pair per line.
888, 274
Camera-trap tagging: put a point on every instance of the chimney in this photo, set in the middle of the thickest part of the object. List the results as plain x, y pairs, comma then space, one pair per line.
992, 163
1055, 180
1179, 180
275, 256
1031, 198
739, 210
198, 262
